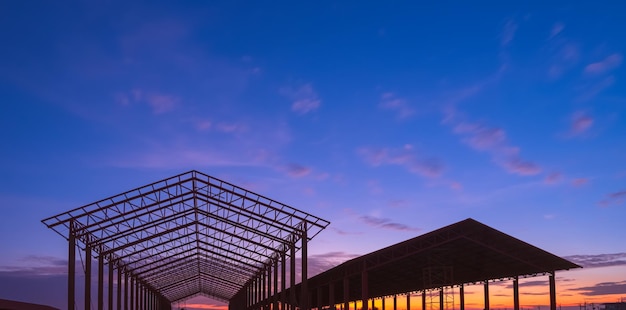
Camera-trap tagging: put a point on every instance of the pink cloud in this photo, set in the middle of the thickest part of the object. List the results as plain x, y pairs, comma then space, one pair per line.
386, 223
615, 198
304, 99
493, 140
518, 166
580, 181
607, 64
162, 103
374, 187
230, 127
581, 123
390, 101
553, 178
456, 186
297, 171
405, 157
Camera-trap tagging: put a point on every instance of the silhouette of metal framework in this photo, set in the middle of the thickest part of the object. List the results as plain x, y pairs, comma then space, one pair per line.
191, 234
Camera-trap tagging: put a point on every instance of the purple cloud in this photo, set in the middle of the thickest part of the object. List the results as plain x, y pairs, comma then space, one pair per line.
615, 198
581, 123
494, 141
556, 29
580, 181
405, 157
390, 101
553, 178
159, 102
609, 63
304, 99
599, 260
297, 171
385, 223
605, 288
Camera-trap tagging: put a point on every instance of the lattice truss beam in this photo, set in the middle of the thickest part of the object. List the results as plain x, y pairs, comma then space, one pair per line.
188, 235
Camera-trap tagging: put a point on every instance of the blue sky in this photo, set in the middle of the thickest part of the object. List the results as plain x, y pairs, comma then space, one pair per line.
388, 119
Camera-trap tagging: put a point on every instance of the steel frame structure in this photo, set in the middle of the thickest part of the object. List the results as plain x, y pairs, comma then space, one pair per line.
188, 235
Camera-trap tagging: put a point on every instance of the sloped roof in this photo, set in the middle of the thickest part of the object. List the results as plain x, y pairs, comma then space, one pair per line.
189, 234
461, 253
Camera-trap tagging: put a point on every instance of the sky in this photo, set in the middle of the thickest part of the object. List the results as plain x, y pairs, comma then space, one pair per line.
389, 119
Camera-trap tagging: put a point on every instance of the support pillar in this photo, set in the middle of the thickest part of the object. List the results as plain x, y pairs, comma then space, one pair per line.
87, 277
119, 288
304, 302
395, 302
441, 305
126, 290
424, 300
71, 268
283, 281
275, 298
110, 285
100, 281
408, 301
383, 305
292, 276
462, 298
516, 294
486, 295
552, 291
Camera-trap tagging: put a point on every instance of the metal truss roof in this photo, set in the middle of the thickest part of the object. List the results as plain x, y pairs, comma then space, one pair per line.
466, 252
189, 235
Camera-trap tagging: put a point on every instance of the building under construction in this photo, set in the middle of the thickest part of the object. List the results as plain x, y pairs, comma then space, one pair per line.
193, 234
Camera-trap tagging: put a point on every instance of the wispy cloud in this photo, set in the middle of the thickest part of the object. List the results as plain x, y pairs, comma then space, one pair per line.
297, 171
391, 101
406, 157
304, 98
605, 288
553, 178
612, 199
556, 29
598, 260
492, 140
159, 102
508, 32
581, 122
609, 63
580, 181
385, 223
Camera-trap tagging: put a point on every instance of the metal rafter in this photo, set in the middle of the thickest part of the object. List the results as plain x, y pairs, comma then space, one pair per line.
188, 235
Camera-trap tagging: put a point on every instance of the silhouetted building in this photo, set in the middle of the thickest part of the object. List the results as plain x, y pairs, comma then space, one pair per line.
18, 305
615, 306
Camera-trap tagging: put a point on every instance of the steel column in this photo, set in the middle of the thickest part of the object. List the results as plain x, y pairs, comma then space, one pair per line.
383, 305
87, 277
552, 291
126, 290
395, 302
462, 297
283, 281
441, 298
408, 301
110, 285
424, 300
132, 293
119, 288
305, 276
292, 276
100, 281
275, 298
516, 294
486, 295
71, 268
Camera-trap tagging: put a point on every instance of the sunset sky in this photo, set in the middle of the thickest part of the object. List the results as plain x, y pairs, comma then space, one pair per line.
389, 119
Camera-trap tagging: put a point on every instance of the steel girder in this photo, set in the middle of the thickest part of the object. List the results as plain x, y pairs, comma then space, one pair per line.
188, 235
